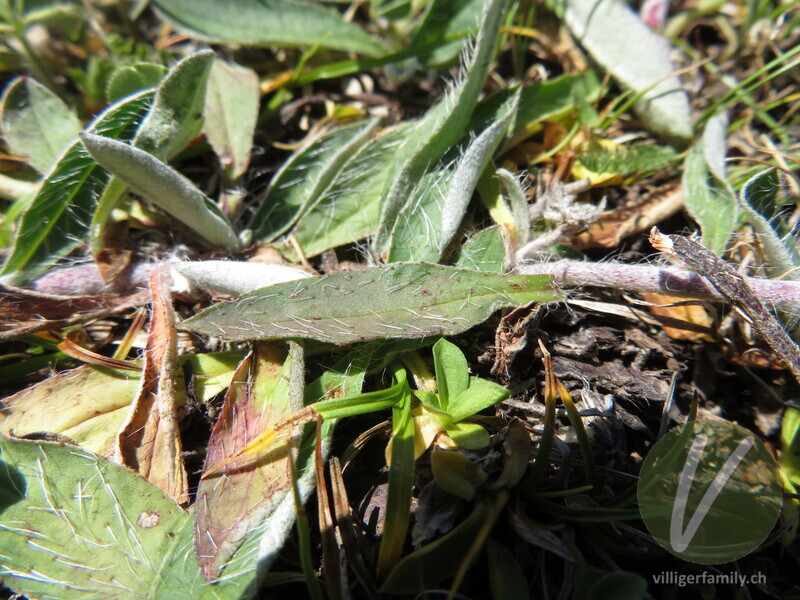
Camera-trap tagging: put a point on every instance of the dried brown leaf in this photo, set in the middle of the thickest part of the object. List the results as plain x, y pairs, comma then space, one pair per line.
691, 313
149, 441
23, 312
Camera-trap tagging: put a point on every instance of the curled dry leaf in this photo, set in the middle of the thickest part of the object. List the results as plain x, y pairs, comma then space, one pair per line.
89, 405
149, 441
614, 226
23, 312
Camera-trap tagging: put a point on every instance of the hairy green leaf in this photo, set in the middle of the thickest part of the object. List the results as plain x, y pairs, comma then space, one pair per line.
36, 123
231, 111
132, 79
618, 39
397, 301
441, 128
57, 220
75, 526
484, 251
176, 116
417, 232
426, 227
305, 177
174, 119
350, 208
165, 187
267, 23
758, 201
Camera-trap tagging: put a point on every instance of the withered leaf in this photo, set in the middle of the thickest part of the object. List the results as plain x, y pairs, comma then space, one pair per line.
86, 404
230, 505
149, 441
23, 312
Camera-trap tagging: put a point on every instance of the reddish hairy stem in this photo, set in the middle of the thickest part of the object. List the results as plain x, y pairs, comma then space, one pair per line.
672, 281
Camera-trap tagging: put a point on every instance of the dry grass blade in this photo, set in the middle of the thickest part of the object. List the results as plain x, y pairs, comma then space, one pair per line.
345, 523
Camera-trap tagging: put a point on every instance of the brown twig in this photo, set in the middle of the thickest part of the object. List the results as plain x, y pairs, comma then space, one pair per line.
733, 286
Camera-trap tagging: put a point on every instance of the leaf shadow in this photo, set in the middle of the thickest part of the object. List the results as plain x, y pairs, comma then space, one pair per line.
12, 486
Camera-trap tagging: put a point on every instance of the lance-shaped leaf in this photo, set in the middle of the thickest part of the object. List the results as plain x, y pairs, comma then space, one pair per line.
350, 208
165, 187
267, 23
176, 116
303, 179
36, 123
710, 199
618, 39
427, 226
441, 128
174, 119
417, 231
230, 505
231, 111
75, 526
397, 301
57, 219
149, 441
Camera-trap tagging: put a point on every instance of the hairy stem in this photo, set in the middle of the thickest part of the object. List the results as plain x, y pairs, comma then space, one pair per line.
673, 281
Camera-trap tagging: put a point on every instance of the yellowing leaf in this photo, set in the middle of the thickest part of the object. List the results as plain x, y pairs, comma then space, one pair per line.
231, 504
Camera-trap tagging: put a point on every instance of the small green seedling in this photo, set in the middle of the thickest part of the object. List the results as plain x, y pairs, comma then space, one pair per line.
459, 397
